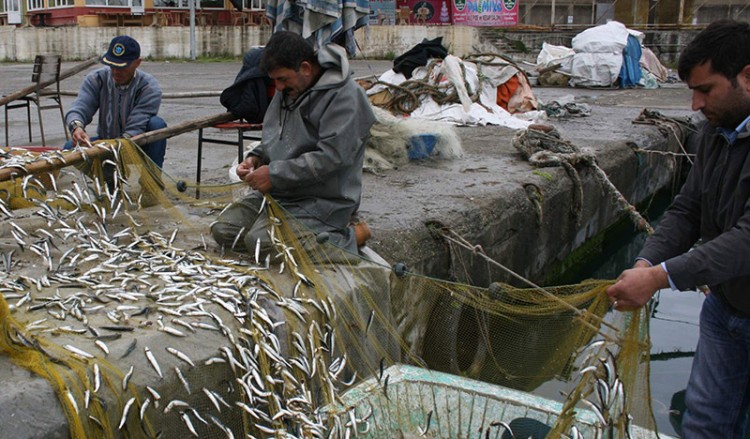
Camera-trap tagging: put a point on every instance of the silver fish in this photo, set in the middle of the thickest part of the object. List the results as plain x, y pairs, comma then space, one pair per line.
152, 360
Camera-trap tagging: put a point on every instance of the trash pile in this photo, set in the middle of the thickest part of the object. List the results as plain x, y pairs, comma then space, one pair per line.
610, 55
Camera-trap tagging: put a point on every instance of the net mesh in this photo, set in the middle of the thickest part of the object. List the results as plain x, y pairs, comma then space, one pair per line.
113, 291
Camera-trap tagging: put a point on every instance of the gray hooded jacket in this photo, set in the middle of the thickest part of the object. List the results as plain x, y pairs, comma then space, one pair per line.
314, 148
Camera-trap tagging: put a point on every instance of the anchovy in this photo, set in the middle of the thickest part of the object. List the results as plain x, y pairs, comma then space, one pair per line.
182, 356
175, 403
130, 348
144, 406
78, 352
152, 360
182, 379
155, 395
126, 378
102, 346
188, 423
125, 412
97, 377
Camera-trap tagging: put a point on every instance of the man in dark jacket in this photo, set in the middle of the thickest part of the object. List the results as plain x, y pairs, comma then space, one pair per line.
248, 97
712, 208
310, 157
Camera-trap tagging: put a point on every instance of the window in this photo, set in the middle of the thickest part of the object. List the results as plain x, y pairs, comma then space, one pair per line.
35, 5
254, 5
185, 4
59, 3
165, 3
106, 2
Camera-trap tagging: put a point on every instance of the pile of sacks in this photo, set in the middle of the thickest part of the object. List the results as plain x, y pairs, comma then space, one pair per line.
602, 56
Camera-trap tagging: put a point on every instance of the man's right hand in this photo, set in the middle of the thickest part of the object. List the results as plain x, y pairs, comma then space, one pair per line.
80, 137
247, 166
635, 287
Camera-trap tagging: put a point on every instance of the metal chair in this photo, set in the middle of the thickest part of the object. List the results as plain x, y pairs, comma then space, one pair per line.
245, 131
46, 69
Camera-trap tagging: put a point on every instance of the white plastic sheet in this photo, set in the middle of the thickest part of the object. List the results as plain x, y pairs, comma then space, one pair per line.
551, 54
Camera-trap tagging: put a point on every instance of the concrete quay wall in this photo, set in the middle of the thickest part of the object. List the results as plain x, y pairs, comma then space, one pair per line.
521, 216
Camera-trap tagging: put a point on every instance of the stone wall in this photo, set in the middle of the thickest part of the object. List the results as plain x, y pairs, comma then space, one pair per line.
375, 42
75, 43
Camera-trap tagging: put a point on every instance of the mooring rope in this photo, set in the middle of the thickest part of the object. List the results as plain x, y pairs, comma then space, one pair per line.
542, 146
667, 126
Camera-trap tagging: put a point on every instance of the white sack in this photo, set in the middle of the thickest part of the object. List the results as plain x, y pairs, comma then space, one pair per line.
595, 69
608, 38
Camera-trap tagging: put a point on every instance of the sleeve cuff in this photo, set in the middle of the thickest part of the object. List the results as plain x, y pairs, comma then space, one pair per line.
669, 278
646, 261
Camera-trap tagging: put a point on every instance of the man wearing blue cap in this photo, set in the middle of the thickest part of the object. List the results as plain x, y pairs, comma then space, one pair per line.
126, 98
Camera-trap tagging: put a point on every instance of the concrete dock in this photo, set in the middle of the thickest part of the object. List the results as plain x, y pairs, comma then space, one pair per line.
519, 215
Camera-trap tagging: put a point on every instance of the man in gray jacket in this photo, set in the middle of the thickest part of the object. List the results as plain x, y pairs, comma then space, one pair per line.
712, 208
311, 153
126, 98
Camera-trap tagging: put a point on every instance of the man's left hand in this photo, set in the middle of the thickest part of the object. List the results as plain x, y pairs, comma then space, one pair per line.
259, 179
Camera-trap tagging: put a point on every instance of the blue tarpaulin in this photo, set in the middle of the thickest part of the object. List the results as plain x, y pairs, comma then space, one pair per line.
630, 73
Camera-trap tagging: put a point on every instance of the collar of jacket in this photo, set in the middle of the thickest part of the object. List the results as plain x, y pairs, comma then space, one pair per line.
742, 131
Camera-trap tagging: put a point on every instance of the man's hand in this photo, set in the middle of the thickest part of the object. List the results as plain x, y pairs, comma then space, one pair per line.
259, 179
247, 166
636, 286
80, 137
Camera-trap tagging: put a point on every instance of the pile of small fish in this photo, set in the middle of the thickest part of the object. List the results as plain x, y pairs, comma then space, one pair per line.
599, 367
106, 288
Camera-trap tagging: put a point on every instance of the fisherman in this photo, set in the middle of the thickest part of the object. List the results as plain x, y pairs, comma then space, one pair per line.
712, 208
126, 98
312, 148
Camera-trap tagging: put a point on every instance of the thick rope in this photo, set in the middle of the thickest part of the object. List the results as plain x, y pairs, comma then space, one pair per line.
543, 147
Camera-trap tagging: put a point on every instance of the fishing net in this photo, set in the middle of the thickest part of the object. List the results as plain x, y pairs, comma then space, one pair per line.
114, 292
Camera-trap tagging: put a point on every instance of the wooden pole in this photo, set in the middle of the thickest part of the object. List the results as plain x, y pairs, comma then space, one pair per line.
51, 163
38, 166
66, 74
184, 127
173, 95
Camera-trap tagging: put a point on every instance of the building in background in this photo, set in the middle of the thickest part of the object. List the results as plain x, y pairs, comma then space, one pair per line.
128, 12
484, 13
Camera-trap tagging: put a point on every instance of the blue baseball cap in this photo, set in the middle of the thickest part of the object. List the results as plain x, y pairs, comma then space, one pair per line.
122, 51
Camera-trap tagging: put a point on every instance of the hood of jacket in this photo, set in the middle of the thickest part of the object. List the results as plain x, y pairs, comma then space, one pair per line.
332, 58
